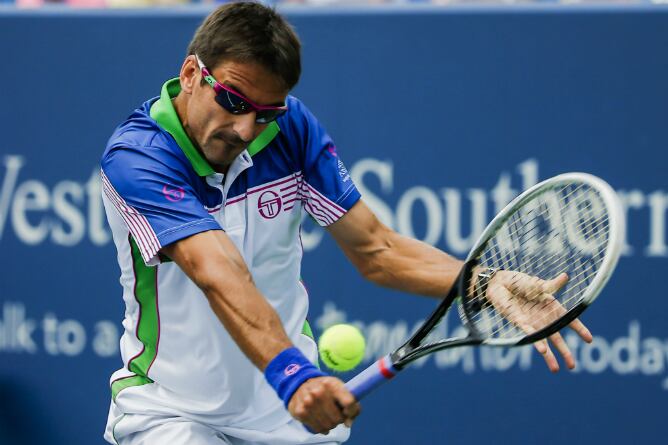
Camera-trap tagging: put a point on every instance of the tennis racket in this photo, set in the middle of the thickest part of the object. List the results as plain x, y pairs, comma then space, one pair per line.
570, 224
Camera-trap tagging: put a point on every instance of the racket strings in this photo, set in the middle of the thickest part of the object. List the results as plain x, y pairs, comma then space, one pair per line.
551, 264
505, 322
562, 230
516, 221
508, 328
509, 260
500, 321
549, 309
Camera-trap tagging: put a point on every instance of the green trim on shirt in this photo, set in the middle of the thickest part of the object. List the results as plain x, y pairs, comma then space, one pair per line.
306, 330
260, 142
163, 112
148, 324
148, 329
126, 382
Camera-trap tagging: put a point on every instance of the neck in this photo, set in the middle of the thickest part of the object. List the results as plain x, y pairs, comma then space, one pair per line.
181, 108
180, 103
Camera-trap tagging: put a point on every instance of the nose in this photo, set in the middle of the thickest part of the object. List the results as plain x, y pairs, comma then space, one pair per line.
244, 126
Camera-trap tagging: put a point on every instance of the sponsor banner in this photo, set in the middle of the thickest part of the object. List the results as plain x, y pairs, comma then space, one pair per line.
441, 118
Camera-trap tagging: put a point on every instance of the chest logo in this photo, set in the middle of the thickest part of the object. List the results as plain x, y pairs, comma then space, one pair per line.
269, 204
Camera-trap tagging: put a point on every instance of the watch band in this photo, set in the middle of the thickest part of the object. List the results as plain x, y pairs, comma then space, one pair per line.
483, 281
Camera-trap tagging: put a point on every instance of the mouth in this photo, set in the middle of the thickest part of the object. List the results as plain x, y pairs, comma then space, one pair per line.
232, 143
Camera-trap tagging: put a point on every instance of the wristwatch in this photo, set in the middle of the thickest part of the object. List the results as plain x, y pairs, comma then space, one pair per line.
483, 281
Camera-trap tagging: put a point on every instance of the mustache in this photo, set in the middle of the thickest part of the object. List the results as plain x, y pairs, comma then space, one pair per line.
231, 139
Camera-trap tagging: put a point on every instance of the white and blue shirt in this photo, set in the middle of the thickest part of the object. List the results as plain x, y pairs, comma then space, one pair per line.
157, 189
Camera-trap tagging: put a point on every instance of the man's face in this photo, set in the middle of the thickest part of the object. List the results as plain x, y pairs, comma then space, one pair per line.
221, 135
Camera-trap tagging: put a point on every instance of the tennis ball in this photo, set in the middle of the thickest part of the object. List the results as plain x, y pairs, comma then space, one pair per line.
341, 347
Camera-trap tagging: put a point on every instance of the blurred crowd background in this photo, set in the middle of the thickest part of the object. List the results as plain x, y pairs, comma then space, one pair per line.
167, 3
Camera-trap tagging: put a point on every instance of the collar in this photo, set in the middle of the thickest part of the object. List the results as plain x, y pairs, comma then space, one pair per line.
163, 112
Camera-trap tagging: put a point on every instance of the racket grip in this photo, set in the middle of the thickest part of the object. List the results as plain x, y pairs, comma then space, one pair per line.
371, 378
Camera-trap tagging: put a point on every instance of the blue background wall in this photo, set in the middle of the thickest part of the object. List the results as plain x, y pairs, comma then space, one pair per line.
436, 113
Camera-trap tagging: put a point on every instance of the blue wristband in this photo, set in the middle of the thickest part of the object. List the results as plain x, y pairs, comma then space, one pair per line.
287, 371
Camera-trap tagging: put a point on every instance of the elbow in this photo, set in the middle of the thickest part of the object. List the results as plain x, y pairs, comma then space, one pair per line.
371, 264
378, 262
368, 270
221, 277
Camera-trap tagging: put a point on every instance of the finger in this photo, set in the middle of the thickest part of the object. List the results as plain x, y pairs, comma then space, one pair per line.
313, 415
352, 415
332, 414
581, 330
553, 285
510, 308
321, 425
352, 411
327, 403
306, 405
349, 422
339, 408
526, 286
347, 404
344, 397
548, 356
547, 311
559, 343
306, 416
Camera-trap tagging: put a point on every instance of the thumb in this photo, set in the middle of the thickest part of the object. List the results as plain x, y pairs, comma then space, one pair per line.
553, 285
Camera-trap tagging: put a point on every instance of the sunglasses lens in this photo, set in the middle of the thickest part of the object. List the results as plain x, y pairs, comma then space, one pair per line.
233, 103
266, 116
237, 105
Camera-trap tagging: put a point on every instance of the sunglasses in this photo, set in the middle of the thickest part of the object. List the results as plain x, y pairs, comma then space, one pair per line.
236, 103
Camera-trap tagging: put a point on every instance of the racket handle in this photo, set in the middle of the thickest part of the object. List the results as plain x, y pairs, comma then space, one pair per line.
372, 377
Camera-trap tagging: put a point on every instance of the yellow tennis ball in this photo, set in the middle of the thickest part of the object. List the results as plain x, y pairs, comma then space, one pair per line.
341, 347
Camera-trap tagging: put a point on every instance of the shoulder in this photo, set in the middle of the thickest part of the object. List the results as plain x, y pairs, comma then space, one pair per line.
139, 129
301, 133
299, 121
139, 143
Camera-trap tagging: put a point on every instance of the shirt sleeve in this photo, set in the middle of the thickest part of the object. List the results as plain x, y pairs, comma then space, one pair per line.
155, 198
328, 191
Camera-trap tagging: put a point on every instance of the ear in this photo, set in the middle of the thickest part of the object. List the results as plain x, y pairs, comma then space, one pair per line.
189, 75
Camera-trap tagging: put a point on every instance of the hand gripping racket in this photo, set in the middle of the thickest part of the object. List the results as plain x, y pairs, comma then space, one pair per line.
571, 224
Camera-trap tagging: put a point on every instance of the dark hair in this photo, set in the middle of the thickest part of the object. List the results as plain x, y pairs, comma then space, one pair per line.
249, 32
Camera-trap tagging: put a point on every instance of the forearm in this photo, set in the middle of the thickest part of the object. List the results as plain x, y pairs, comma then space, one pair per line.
390, 259
213, 263
409, 265
251, 322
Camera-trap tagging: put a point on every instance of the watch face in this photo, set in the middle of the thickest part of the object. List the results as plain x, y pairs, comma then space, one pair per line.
488, 273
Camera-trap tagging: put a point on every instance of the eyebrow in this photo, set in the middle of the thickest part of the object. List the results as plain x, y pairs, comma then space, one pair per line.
238, 90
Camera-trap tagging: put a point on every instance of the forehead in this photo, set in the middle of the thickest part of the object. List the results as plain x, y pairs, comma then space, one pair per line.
252, 80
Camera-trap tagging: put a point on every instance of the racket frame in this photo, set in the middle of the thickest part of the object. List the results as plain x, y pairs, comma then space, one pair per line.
388, 366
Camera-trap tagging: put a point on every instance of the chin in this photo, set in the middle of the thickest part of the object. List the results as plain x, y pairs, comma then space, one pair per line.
216, 157
219, 164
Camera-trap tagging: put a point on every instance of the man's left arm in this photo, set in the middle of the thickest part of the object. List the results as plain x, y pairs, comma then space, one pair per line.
389, 259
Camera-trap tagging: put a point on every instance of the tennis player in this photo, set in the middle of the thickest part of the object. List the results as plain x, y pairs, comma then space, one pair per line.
204, 189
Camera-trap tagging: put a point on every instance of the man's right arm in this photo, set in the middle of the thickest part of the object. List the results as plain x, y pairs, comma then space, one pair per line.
212, 262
